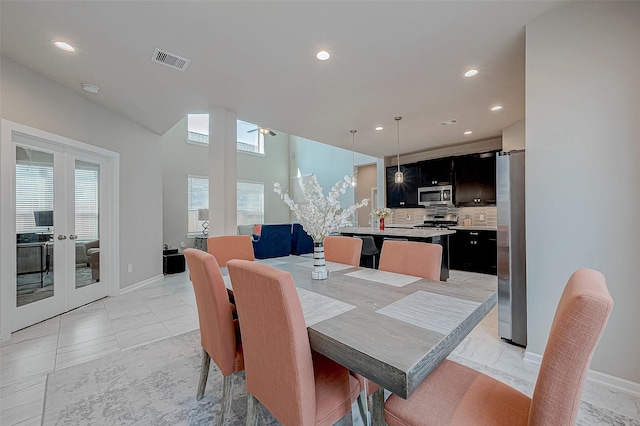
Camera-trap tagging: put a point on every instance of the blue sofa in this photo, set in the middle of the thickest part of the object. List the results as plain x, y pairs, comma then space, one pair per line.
301, 242
274, 241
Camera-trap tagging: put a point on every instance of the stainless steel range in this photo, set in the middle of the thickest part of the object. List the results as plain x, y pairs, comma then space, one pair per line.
439, 221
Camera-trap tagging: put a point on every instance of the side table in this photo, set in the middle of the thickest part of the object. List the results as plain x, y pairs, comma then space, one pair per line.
172, 261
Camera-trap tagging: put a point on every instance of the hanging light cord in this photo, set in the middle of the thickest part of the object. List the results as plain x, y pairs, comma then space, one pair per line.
398, 128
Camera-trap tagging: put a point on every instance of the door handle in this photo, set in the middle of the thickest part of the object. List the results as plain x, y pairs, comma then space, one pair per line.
62, 237
73, 237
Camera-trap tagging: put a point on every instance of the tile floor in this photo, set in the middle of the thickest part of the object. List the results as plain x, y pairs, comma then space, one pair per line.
167, 308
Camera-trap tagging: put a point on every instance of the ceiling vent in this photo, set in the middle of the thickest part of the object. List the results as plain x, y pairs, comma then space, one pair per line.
170, 60
449, 122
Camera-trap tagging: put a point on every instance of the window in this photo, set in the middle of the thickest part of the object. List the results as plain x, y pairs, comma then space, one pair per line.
34, 192
198, 128
87, 181
250, 203
198, 198
250, 139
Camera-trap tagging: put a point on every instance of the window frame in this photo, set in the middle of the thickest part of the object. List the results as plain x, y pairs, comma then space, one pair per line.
262, 212
197, 232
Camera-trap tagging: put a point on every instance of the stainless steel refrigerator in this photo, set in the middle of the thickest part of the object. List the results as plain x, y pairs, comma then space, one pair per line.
512, 273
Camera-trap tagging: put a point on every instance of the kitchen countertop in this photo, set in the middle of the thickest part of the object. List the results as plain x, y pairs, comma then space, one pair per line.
474, 228
398, 232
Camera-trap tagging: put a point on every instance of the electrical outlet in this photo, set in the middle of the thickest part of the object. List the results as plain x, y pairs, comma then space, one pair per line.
182, 244
130, 268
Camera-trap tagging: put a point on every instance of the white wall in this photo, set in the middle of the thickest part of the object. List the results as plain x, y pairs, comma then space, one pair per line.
181, 159
513, 137
268, 169
583, 151
30, 99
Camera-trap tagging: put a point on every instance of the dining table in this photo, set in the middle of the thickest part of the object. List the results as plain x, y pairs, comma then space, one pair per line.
391, 328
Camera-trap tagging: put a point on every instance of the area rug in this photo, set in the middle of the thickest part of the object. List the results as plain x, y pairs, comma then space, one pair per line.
153, 384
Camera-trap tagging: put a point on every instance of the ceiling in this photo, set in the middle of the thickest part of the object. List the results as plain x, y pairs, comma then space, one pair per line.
258, 59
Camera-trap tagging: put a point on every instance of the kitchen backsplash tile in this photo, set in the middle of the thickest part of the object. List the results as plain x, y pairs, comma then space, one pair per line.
480, 216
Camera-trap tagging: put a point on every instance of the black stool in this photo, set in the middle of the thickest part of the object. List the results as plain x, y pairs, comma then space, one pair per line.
369, 249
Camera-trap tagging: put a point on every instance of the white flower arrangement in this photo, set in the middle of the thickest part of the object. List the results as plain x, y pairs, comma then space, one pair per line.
320, 215
381, 212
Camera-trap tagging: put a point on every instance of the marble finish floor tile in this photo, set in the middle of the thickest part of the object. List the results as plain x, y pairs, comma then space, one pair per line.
167, 307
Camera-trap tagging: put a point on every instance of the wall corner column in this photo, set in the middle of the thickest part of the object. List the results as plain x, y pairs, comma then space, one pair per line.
223, 172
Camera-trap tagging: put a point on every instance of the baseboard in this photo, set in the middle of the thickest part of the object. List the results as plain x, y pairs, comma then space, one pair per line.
141, 284
611, 381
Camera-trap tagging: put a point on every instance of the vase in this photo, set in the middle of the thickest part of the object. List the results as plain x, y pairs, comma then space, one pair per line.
382, 223
319, 271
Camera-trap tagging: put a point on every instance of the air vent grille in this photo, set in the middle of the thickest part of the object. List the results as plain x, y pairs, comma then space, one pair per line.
170, 60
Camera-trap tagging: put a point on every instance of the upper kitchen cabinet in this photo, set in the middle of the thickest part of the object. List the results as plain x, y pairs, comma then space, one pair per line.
436, 172
475, 179
406, 193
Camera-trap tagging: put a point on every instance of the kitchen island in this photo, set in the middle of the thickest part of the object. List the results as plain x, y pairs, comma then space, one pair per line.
424, 235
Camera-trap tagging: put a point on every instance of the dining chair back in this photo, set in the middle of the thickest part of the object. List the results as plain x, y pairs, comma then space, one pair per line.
219, 332
411, 258
340, 249
227, 247
457, 395
297, 385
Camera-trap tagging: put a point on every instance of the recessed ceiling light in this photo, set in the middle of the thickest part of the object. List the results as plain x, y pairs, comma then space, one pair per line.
379, 128
471, 73
496, 108
91, 88
468, 132
323, 55
64, 46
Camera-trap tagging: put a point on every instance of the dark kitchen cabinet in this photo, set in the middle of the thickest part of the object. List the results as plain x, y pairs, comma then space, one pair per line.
474, 251
405, 193
436, 172
475, 179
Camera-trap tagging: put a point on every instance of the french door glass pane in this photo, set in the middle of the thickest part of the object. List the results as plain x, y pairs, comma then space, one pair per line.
87, 223
34, 225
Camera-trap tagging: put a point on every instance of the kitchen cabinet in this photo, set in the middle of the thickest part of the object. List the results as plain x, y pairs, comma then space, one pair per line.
436, 172
475, 179
405, 193
474, 251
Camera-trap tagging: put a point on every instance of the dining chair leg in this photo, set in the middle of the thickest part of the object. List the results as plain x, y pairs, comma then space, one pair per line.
363, 407
252, 410
204, 374
225, 405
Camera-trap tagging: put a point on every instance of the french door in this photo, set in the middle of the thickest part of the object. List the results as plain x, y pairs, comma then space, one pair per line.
62, 255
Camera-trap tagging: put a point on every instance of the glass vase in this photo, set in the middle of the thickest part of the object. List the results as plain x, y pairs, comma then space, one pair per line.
319, 271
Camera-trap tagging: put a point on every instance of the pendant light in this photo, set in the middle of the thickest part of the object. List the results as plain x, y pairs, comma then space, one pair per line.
354, 173
399, 177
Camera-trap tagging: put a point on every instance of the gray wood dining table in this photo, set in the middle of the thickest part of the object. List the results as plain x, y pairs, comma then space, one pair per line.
391, 328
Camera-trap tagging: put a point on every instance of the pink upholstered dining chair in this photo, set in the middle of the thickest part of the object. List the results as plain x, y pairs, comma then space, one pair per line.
227, 247
411, 258
340, 249
297, 385
456, 395
219, 332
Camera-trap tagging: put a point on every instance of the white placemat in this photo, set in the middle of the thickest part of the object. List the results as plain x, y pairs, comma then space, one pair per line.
331, 266
383, 277
317, 307
431, 311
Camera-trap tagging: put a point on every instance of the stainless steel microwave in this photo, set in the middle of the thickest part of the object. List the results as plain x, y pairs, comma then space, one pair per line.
435, 195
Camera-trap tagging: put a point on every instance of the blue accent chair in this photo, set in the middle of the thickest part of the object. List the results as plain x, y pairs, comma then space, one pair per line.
301, 242
274, 241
